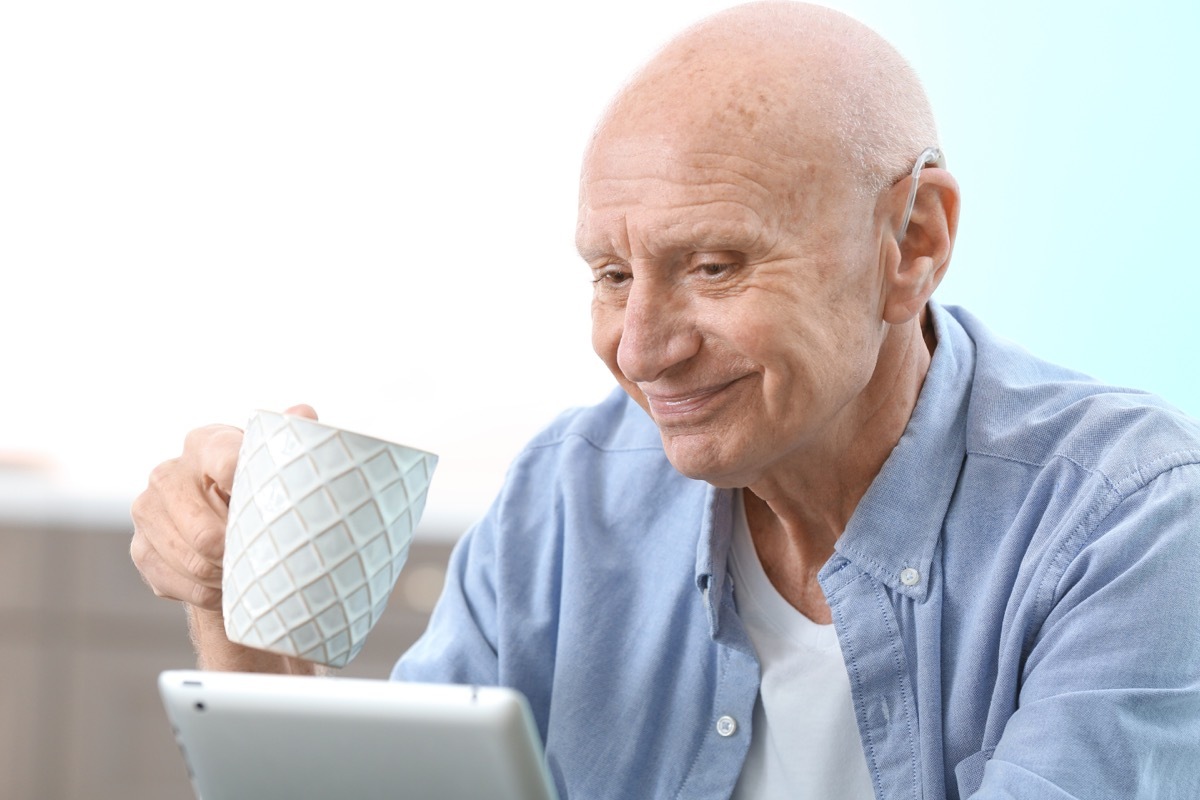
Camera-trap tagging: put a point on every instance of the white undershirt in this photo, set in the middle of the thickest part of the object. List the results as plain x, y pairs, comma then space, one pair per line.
805, 739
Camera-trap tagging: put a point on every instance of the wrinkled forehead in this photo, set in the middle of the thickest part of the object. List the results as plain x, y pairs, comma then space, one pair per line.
720, 183
682, 161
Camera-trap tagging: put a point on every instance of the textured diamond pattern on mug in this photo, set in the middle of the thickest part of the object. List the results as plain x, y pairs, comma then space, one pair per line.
320, 524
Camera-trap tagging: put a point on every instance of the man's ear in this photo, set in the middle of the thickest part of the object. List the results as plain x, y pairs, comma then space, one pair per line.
916, 264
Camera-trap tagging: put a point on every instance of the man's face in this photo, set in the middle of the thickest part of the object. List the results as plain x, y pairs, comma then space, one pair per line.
738, 297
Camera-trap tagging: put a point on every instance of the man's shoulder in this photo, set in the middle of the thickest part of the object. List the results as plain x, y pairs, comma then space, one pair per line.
1025, 409
603, 457
615, 424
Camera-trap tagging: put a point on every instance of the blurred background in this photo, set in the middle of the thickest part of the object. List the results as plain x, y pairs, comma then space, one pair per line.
369, 207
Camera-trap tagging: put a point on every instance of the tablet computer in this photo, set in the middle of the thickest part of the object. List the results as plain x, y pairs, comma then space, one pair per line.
286, 736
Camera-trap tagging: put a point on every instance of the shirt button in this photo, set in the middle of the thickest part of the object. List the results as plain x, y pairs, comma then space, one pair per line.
909, 576
727, 726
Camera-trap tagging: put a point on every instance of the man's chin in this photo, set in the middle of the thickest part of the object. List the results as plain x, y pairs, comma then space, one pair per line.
700, 458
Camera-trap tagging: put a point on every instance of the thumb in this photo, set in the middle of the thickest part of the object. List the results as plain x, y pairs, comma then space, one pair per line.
302, 410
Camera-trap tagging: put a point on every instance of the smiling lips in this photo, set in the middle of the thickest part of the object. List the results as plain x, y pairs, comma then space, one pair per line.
683, 407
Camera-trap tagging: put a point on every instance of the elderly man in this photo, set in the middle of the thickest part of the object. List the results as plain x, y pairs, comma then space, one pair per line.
829, 539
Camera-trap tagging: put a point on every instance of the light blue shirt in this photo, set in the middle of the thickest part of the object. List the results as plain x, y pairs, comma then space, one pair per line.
1017, 597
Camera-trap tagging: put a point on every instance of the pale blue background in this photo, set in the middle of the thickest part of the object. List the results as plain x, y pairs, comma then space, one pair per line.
1072, 129
369, 206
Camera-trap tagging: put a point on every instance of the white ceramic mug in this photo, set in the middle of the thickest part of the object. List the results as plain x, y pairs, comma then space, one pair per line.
320, 520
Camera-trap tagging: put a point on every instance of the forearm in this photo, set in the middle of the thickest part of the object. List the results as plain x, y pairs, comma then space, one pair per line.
215, 652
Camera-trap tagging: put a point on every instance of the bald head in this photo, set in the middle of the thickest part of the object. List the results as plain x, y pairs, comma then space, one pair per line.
752, 290
801, 80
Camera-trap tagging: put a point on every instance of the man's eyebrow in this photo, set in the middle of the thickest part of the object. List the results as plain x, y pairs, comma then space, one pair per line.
707, 236
592, 252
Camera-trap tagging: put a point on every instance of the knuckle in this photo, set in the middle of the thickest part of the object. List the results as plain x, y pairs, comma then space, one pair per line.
160, 476
202, 438
196, 438
205, 597
158, 587
137, 509
201, 568
225, 464
137, 548
210, 542
145, 561
145, 510
211, 455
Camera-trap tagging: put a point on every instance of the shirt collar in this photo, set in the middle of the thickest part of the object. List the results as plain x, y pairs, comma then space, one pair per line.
712, 551
896, 526
898, 521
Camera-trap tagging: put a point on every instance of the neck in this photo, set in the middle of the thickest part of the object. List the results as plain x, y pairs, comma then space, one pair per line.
798, 510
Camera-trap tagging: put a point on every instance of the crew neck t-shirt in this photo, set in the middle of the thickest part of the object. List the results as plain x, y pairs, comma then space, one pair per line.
804, 740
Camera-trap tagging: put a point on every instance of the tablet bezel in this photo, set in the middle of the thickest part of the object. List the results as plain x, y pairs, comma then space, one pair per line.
288, 736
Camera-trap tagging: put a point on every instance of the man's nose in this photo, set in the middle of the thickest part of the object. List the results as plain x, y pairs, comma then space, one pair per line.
657, 333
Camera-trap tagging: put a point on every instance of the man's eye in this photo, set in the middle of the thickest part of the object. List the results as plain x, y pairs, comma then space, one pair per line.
612, 277
715, 270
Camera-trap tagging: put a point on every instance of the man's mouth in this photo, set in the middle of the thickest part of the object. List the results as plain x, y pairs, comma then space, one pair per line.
677, 407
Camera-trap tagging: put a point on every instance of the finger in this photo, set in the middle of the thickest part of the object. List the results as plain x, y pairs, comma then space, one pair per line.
302, 410
210, 458
167, 582
181, 526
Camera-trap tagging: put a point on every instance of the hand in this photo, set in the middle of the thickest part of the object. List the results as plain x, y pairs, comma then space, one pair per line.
179, 520
179, 543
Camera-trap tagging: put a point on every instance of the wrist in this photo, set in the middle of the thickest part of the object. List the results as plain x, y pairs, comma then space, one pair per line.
214, 651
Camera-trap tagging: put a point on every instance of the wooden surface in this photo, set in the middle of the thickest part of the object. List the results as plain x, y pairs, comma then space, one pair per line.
82, 641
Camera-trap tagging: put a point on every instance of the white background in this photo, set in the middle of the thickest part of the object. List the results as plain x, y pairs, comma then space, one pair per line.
207, 208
